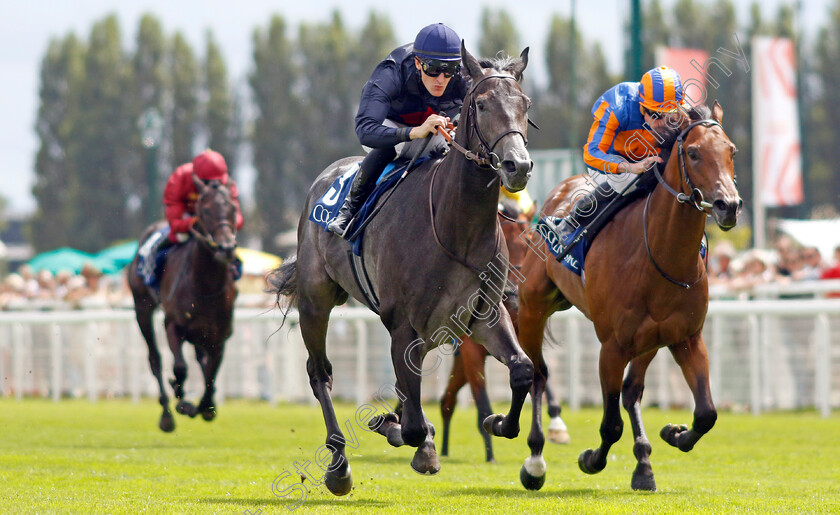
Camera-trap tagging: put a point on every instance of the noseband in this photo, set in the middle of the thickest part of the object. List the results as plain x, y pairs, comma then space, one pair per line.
485, 157
696, 198
206, 236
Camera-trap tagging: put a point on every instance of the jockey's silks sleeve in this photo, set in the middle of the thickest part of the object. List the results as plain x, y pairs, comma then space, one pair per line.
618, 133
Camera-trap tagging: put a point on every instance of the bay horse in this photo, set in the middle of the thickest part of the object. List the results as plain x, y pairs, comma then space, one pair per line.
645, 288
426, 255
468, 363
197, 292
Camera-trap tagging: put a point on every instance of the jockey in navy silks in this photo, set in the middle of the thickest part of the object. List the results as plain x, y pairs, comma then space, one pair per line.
414, 90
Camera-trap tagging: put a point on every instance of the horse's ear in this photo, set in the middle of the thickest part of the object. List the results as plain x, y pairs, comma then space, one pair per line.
199, 184
520, 65
470, 63
717, 112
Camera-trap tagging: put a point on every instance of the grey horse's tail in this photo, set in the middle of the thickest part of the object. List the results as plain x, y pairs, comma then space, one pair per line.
283, 282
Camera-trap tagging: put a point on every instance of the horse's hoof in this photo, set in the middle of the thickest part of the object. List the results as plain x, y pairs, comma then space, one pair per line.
425, 460
208, 414
643, 481
557, 431
561, 437
186, 408
671, 434
339, 485
167, 423
585, 465
493, 426
532, 473
376, 423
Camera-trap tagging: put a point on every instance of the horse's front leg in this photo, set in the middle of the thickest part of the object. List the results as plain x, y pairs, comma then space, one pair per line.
610, 367
210, 362
634, 387
175, 337
498, 337
693, 359
415, 428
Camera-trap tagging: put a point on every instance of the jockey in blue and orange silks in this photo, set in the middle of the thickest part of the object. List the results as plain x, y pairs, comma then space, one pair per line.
630, 122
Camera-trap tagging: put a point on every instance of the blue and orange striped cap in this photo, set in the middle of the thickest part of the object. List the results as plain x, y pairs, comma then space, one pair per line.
661, 90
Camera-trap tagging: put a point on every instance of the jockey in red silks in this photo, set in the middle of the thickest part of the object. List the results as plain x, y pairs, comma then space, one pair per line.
179, 200
180, 194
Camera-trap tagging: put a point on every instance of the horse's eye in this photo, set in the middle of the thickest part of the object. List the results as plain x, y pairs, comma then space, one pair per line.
480, 105
693, 154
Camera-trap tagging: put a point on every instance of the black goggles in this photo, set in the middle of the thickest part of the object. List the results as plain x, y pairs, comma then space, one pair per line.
433, 67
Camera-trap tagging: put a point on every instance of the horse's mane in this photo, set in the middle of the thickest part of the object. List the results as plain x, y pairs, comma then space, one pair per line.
670, 135
501, 62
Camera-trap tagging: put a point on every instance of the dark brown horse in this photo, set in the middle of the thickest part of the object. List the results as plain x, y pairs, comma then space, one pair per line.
197, 292
646, 288
426, 254
468, 364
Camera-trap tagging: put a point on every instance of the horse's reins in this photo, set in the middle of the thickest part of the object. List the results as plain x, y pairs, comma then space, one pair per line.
488, 160
695, 199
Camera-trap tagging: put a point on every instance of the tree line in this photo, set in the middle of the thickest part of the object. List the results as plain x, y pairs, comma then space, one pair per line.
293, 113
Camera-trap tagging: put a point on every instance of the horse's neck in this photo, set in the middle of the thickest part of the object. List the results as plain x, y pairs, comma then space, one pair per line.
208, 274
465, 199
675, 230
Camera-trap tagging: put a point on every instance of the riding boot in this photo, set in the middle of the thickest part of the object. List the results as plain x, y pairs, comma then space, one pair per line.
584, 211
363, 185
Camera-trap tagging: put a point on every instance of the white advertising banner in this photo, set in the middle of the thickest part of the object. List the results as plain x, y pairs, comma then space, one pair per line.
777, 163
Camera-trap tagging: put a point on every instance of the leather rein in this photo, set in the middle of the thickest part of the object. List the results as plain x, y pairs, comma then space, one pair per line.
695, 199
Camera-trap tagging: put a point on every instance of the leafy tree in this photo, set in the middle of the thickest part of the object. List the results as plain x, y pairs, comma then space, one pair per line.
149, 90
222, 124
498, 34
824, 115
277, 153
183, 117
102, 151
56, 182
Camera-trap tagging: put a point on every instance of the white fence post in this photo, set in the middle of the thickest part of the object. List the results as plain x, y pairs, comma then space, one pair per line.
822, 368
57, 363
755, 363
361, 362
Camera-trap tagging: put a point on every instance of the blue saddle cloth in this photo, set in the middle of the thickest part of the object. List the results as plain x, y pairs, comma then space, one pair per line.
575, 259
327, 207
150, 267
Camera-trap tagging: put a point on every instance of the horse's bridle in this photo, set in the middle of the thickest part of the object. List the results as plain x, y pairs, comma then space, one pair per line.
206, 236
696, 197
485, 157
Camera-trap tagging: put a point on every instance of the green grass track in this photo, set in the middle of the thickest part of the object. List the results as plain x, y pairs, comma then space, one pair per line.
110, 457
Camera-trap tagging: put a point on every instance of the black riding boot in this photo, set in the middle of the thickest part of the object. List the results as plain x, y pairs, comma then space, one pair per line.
586, 210
363, 185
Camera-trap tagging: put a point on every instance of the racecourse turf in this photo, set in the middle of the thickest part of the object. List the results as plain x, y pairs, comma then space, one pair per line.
109, 457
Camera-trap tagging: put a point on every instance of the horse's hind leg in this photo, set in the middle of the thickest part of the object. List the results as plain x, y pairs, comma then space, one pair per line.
473, 355
693, 359
313, 327
144, 311
631, 394
210, 360
557, 430
611, 368
457, 379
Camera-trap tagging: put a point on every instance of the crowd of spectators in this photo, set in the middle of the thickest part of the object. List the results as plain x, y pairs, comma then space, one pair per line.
27, 289
741, 275
731, 274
